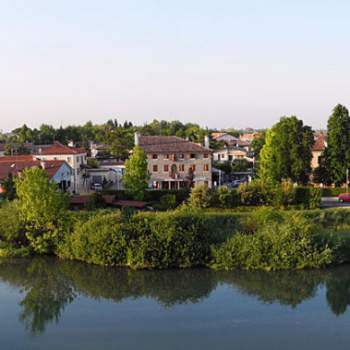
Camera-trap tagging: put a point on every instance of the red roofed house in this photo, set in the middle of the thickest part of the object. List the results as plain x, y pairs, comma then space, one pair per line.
57, 170
318, 149
175, 163
75, 157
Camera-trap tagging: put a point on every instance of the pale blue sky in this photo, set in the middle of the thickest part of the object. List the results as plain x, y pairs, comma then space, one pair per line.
220, 63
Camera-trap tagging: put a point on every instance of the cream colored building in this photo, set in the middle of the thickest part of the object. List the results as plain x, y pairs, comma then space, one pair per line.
175, 163
318, 149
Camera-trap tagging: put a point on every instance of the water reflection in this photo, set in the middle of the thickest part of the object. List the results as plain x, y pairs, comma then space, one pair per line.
49, 285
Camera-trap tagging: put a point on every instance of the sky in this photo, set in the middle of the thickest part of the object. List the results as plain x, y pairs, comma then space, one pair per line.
219, 63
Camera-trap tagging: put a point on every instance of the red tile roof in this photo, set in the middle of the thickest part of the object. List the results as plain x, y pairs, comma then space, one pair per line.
169, 144
58, 148
14, 166
320, 143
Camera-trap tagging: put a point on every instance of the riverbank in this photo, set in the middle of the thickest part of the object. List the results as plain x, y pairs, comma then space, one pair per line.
259, 239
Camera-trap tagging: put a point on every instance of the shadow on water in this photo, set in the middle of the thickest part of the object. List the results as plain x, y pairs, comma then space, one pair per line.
49, 285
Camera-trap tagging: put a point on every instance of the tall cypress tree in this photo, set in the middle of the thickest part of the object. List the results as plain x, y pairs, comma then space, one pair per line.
338, 144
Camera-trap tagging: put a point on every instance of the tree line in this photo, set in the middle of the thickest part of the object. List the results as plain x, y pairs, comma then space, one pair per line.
118, 137
287, 151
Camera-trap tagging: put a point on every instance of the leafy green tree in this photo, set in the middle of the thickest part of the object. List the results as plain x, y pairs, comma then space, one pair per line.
9, 186
136, 175
42, 208
338, 144
287, 152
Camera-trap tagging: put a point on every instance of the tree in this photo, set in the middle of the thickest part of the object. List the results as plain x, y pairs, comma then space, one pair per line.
258, 143
136, 175
9, 187
338, 144
42, 209
287, 152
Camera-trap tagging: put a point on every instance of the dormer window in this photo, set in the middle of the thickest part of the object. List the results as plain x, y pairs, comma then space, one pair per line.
193, 156
154, 156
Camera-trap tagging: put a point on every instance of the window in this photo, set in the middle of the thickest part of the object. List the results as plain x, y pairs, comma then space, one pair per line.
206, 167
155, 156
155, 168
193, 167
166, 168
182, 167
206, 155
167, 156
193, 156
69, 159
181, 156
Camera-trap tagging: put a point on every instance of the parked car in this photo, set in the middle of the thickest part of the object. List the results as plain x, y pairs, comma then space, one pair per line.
344, 197
96, 187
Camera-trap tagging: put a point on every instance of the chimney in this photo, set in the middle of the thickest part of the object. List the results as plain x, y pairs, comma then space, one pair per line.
206, 141
137, 138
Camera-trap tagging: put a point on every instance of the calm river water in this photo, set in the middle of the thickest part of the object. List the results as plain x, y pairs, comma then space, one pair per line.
51, 304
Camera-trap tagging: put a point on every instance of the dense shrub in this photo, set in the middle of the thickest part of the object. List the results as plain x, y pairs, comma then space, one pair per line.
308, 197
12, 230
283, 194
223, 197
99, 241
168, 201
276, 246
200, 197
256, 193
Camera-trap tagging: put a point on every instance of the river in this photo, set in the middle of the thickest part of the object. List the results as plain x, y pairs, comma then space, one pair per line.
46, 303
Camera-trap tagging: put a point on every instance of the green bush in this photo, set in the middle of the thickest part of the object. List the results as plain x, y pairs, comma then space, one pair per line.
307, 197
284, 194
276, 246
256, 193
168, 201
99, 241
200, 197
12, 229
223, 197
332, 191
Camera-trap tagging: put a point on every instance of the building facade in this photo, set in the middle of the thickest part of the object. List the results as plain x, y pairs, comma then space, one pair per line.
58, 171
76, 158
175, 163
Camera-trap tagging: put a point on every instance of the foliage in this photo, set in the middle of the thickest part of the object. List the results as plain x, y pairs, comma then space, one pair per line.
136, 175
200, 197
96, 201
256, 192
338, 144
11, 227
287, 152
42, 209
9, 187
276, 246
258, 143
168, 201
284, 195
98, 240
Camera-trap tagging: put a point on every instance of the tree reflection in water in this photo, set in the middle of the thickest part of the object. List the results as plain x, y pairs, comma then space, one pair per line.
49, 285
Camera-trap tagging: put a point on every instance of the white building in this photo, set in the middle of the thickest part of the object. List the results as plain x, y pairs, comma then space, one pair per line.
75, 157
